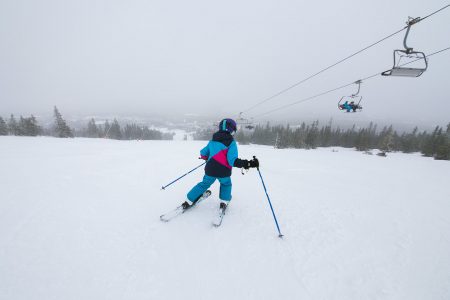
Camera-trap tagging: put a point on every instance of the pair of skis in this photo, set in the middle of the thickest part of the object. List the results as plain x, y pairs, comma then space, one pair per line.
180, 210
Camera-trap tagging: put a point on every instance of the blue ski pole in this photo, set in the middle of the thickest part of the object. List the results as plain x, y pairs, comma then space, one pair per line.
164, 187
268, 198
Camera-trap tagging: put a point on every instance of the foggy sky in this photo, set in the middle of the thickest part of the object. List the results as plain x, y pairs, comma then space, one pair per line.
217, 58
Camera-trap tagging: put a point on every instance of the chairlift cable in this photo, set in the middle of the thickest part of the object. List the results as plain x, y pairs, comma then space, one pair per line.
435, 12
338, 88
304, 100
445, 49
323, 70
340, 61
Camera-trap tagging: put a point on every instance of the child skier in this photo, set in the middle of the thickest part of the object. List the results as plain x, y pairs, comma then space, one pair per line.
221, 154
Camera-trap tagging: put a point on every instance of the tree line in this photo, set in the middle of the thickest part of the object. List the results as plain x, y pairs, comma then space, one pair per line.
128, 132
310, 136
30, 127
22, 126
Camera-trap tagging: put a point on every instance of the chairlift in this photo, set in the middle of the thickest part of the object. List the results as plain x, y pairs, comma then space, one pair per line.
244, 122
355, 101
407, 57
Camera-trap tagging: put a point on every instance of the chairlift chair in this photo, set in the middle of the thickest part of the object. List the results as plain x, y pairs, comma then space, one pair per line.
244, 122
410, 56
355, 98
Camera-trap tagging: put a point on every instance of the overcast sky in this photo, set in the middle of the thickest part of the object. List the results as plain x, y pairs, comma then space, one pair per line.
217, 58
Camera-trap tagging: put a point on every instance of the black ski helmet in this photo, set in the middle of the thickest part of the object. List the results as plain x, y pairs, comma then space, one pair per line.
227, 125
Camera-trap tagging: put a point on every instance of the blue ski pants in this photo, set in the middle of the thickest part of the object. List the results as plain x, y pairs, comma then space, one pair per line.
201, 187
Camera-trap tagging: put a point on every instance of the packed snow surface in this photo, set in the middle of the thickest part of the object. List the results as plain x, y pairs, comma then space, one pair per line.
79, 219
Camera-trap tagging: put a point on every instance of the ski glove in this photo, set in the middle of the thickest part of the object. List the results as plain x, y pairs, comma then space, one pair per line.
246, 164
254, 163
242, 163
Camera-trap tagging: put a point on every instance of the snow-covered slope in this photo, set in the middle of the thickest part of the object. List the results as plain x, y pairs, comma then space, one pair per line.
79, 219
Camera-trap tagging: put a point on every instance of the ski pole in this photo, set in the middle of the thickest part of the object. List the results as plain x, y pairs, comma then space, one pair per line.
268, 198
164, 187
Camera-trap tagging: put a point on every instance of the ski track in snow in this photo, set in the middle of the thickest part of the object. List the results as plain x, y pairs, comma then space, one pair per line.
79, 219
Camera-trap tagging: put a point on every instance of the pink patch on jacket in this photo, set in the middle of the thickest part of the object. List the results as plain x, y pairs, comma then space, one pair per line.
221, 158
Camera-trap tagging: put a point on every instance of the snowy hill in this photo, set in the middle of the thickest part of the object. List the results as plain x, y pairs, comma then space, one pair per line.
79, 219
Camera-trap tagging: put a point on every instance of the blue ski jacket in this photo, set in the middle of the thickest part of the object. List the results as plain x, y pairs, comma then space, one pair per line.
221, 154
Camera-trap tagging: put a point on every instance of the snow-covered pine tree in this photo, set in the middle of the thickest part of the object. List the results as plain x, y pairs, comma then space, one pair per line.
387, 140
242, 138
312, 135
13, 126
3, 127
442, 144
115, 131
277, 142
362, 140
325, 134
409, 141
22, 127
92, 129
106, 128
32, 127
132, 132
300, 136
61, 129
430, 143
151, 134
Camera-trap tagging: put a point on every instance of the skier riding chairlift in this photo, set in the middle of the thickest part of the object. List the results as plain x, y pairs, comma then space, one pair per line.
352, 106
245, 123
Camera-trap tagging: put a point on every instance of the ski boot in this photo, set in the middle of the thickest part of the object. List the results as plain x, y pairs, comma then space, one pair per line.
188, 204
185, 205
221, 212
